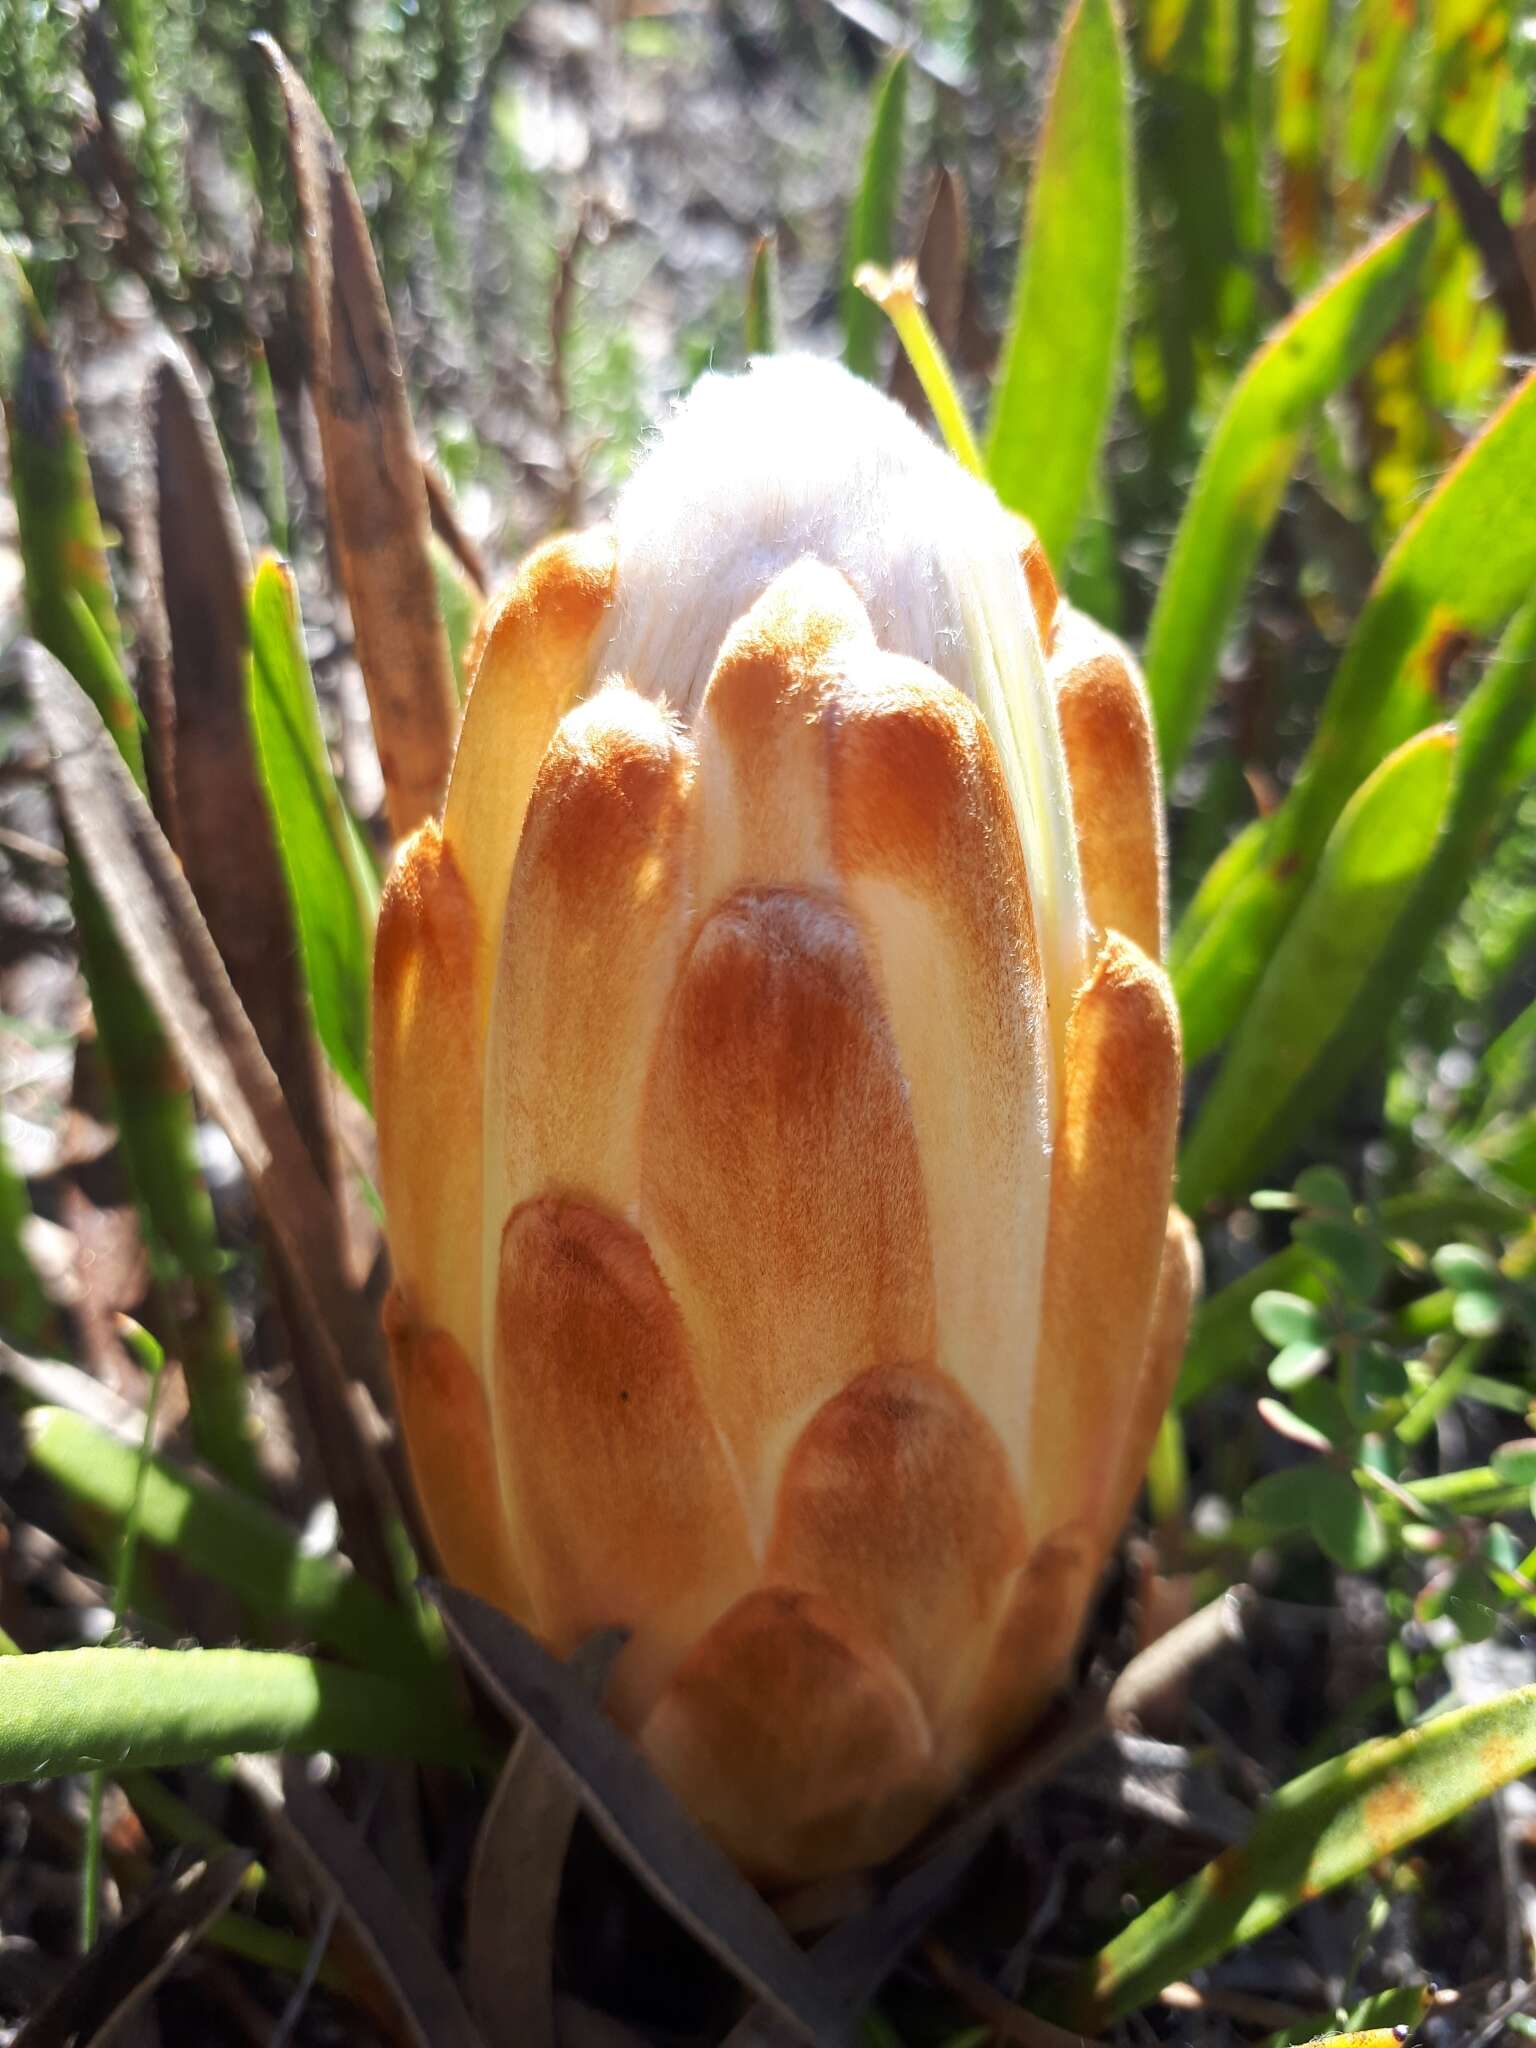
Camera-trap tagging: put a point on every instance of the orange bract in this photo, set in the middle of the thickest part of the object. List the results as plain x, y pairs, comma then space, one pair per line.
784, 1267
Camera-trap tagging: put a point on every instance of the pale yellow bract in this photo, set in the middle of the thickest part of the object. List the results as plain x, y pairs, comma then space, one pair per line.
777, 1090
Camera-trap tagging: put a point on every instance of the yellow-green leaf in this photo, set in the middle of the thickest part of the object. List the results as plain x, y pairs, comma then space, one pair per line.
1248, 462
335, 895
1319, 1831
1321, 969
1062, 352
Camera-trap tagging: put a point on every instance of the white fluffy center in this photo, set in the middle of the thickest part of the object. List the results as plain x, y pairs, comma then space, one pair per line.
799, 457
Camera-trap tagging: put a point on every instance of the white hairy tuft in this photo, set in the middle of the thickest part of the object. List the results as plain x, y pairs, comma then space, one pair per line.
799, 457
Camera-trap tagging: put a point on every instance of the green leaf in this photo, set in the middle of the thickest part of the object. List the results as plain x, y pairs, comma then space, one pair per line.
71, 612
1062, 351
1379, 2019
232, 1539
70, 605
1319, 1831
762, 314
1479, 1312
1321, 971
872, 223
1324, 1188
1286, 1318
63, 1711
1384, 32
25, 1313
1515, 1463
1296, 1364
1461, 1266
460, 604
1248, 461
1352, 1251
335, 897
1460, 567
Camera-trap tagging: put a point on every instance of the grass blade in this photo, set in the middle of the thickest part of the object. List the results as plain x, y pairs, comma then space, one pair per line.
374, 484
334, 895
761, 320
1248, 461
1319, 1831
1062, 352
217, 1531
67, 1711
1459, 568
1322, 969
872, 223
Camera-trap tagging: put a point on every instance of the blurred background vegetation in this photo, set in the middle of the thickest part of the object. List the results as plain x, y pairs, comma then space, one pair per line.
577, 209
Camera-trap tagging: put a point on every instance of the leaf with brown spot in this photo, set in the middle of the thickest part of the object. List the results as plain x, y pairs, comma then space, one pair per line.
375, 484
1317, 1832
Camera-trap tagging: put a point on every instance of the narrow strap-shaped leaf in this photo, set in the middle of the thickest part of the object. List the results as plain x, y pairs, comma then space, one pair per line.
63, 551
25, 1312
1321, 969
373, 474
513, 1893
1459, 568
640, 1817
761, 321
1299, 100
943, 269
1248, 461
220, 1532
1062, 351
1384, 31
223, 829
872, 222
1319, 1831
1482, 219
1493, 726
156, 918
425, 1993
70, 609
335, 898
65, 1711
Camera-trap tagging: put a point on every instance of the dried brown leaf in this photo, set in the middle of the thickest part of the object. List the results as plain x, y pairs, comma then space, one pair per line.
943, 265
514, 1881
1490, 234
639, 1818
375, 485
223, 828
120, 1972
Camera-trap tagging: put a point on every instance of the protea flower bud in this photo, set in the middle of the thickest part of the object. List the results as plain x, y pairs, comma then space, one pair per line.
777, 1090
